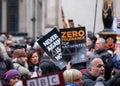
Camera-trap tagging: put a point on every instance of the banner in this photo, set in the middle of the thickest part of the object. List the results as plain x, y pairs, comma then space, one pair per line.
63, 19
73, 44
116, 25
47, 80
50, 43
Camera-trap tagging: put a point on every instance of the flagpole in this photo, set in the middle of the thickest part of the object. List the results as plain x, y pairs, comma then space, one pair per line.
95, 17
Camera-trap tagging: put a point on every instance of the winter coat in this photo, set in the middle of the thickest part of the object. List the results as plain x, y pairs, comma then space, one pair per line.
89, 80
32, 67
25, 73
107, 59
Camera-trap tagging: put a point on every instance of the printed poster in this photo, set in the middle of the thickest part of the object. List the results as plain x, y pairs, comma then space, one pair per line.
55, 79
50, 43
73, 44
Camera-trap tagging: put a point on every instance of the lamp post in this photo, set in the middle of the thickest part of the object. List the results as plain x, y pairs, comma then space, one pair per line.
34, 20
95, 17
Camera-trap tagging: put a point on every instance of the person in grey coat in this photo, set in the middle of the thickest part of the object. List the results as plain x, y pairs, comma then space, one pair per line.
20, 63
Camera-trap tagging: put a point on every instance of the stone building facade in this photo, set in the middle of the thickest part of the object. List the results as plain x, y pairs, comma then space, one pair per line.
37, 17
29, 17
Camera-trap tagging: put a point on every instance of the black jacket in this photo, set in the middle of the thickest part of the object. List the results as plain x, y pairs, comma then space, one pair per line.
107, 60
89, 80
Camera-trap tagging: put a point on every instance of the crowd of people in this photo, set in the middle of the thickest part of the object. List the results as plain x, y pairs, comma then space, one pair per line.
24, 59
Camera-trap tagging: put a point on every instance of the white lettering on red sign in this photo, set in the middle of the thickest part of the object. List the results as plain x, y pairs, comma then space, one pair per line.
44, 81
54, 80
32, 82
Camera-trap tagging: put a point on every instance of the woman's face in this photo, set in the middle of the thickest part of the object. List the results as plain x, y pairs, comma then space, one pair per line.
14, 79
35, 58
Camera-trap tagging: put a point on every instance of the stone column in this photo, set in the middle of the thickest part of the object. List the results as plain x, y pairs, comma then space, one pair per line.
4, 16
39, 18
29, 9
50, 15
22, 16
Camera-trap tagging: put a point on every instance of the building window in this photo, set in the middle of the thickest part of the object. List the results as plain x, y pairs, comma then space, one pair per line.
12, 15
0, 14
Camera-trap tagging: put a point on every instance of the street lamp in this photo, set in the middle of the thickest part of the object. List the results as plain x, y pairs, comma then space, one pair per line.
95, 17
34, 20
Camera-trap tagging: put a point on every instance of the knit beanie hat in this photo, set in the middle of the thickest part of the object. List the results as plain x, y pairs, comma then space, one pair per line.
19, 53
10, 73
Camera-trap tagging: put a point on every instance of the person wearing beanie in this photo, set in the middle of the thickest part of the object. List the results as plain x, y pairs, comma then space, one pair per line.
19, 53
20, 63
12, 76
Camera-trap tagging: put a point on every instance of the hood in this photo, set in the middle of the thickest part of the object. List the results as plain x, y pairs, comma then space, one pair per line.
87, 75
3, 52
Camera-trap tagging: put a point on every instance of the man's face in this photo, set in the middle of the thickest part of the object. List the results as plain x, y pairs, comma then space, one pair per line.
88, 42
98, 45
24, 59
98, 68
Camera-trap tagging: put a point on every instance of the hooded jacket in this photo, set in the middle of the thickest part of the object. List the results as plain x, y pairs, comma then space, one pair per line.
25, 73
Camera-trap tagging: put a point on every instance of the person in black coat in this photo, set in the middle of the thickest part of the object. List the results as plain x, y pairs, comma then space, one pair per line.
106, 57
95, 73
48, 67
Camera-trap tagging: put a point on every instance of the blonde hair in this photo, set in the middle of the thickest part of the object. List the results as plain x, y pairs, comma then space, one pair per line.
70, 75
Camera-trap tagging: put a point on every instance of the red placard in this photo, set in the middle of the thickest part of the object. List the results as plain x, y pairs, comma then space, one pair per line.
47, 80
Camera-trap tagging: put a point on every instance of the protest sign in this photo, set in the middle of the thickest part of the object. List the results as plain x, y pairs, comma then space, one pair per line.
118, 23
73, 44
50, 43
47, 80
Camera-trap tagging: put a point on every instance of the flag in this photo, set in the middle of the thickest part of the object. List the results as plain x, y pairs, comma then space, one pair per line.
63, 19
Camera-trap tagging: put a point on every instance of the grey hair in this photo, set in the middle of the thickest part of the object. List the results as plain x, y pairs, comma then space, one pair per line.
102, 40
3, 52
89, 63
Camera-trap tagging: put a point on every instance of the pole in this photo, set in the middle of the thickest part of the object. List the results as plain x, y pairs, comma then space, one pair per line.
34, 20
95, 17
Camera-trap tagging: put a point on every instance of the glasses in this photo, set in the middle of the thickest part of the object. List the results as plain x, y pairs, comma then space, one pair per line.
16, 77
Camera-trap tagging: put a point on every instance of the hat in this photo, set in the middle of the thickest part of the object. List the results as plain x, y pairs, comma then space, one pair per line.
19, 53
10, 73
